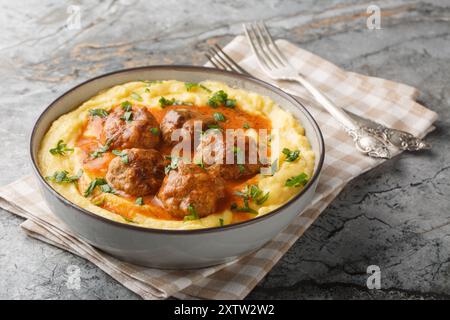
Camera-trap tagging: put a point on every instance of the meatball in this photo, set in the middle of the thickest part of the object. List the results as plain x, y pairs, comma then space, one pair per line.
138, 173
140, 131
191, 186
183, 119
234, 162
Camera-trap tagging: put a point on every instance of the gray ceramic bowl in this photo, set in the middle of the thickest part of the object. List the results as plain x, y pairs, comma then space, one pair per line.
172, 248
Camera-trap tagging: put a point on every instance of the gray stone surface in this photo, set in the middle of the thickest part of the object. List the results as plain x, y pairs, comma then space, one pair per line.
396, 216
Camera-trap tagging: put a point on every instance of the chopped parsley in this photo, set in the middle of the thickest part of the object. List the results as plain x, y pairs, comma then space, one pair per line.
99, 113
163, 102
94, 183
61, 149
128, 115
221, 222
218, 116
220, 98
136, 96
103, 149
128, 219
192, 85
123, 155
139, 201
297, 181
154, 131
63, 177
214, 126
291, 155
106, 188
193, 215
173, 164
126, 106
241, 168
246, 126
254, 193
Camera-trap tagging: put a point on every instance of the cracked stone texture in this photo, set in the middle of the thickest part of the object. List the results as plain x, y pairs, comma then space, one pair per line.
395, 216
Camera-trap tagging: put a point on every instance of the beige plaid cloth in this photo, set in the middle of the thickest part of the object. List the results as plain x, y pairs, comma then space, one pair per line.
387, 102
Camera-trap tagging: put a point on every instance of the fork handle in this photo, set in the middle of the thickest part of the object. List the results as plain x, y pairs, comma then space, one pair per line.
337, 112
365, 141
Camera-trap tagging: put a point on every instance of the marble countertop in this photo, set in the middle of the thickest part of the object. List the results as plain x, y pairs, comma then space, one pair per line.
396, 216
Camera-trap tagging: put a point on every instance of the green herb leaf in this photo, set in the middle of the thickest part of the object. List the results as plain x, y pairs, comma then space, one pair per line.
262, 199
218, 116
106, 188
61, 148
127, 219
99, 113
103, 149
127, 116
218, 98
214, 126
192, 214
291, 155
230, 103
136, 96
126, 105
172, 166
163, 102
94, 183
297, 181
154, 131
241, 168
246, 126
123, 155
62, 177
192, 85
221, 222
139, 201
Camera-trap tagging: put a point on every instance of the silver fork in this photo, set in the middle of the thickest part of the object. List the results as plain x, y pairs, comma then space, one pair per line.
276, 66
397, 138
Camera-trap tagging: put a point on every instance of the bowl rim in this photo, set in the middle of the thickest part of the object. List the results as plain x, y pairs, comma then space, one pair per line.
241, 224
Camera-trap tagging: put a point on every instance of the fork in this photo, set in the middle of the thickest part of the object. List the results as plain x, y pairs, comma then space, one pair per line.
401, 139
273, 62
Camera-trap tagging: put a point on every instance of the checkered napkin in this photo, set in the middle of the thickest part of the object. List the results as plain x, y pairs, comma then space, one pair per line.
387, 102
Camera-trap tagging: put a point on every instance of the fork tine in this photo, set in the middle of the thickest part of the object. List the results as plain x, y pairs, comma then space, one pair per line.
280, 55
215, 62
251, 39
267, 47
262, 45
231, 61
219, 57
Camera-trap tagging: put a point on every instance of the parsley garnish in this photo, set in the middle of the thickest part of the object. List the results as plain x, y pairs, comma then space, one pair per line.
127, 219
62, 177
94, 183
139, 201
98, 112
297, 181
252, 192
122, 155
246, 126
126, 106
136, 96
218, 116
163, 102
128, 115
220, 98
221, 222
192, 214
154, 131
241, 168
103, 149
214, 126
173, 164
61, 148
106, 188
191, 85
291, 155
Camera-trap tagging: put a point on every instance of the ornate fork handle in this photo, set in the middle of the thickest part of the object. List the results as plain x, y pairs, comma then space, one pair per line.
398, 138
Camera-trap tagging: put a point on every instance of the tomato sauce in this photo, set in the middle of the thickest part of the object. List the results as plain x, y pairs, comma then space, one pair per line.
93, 138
